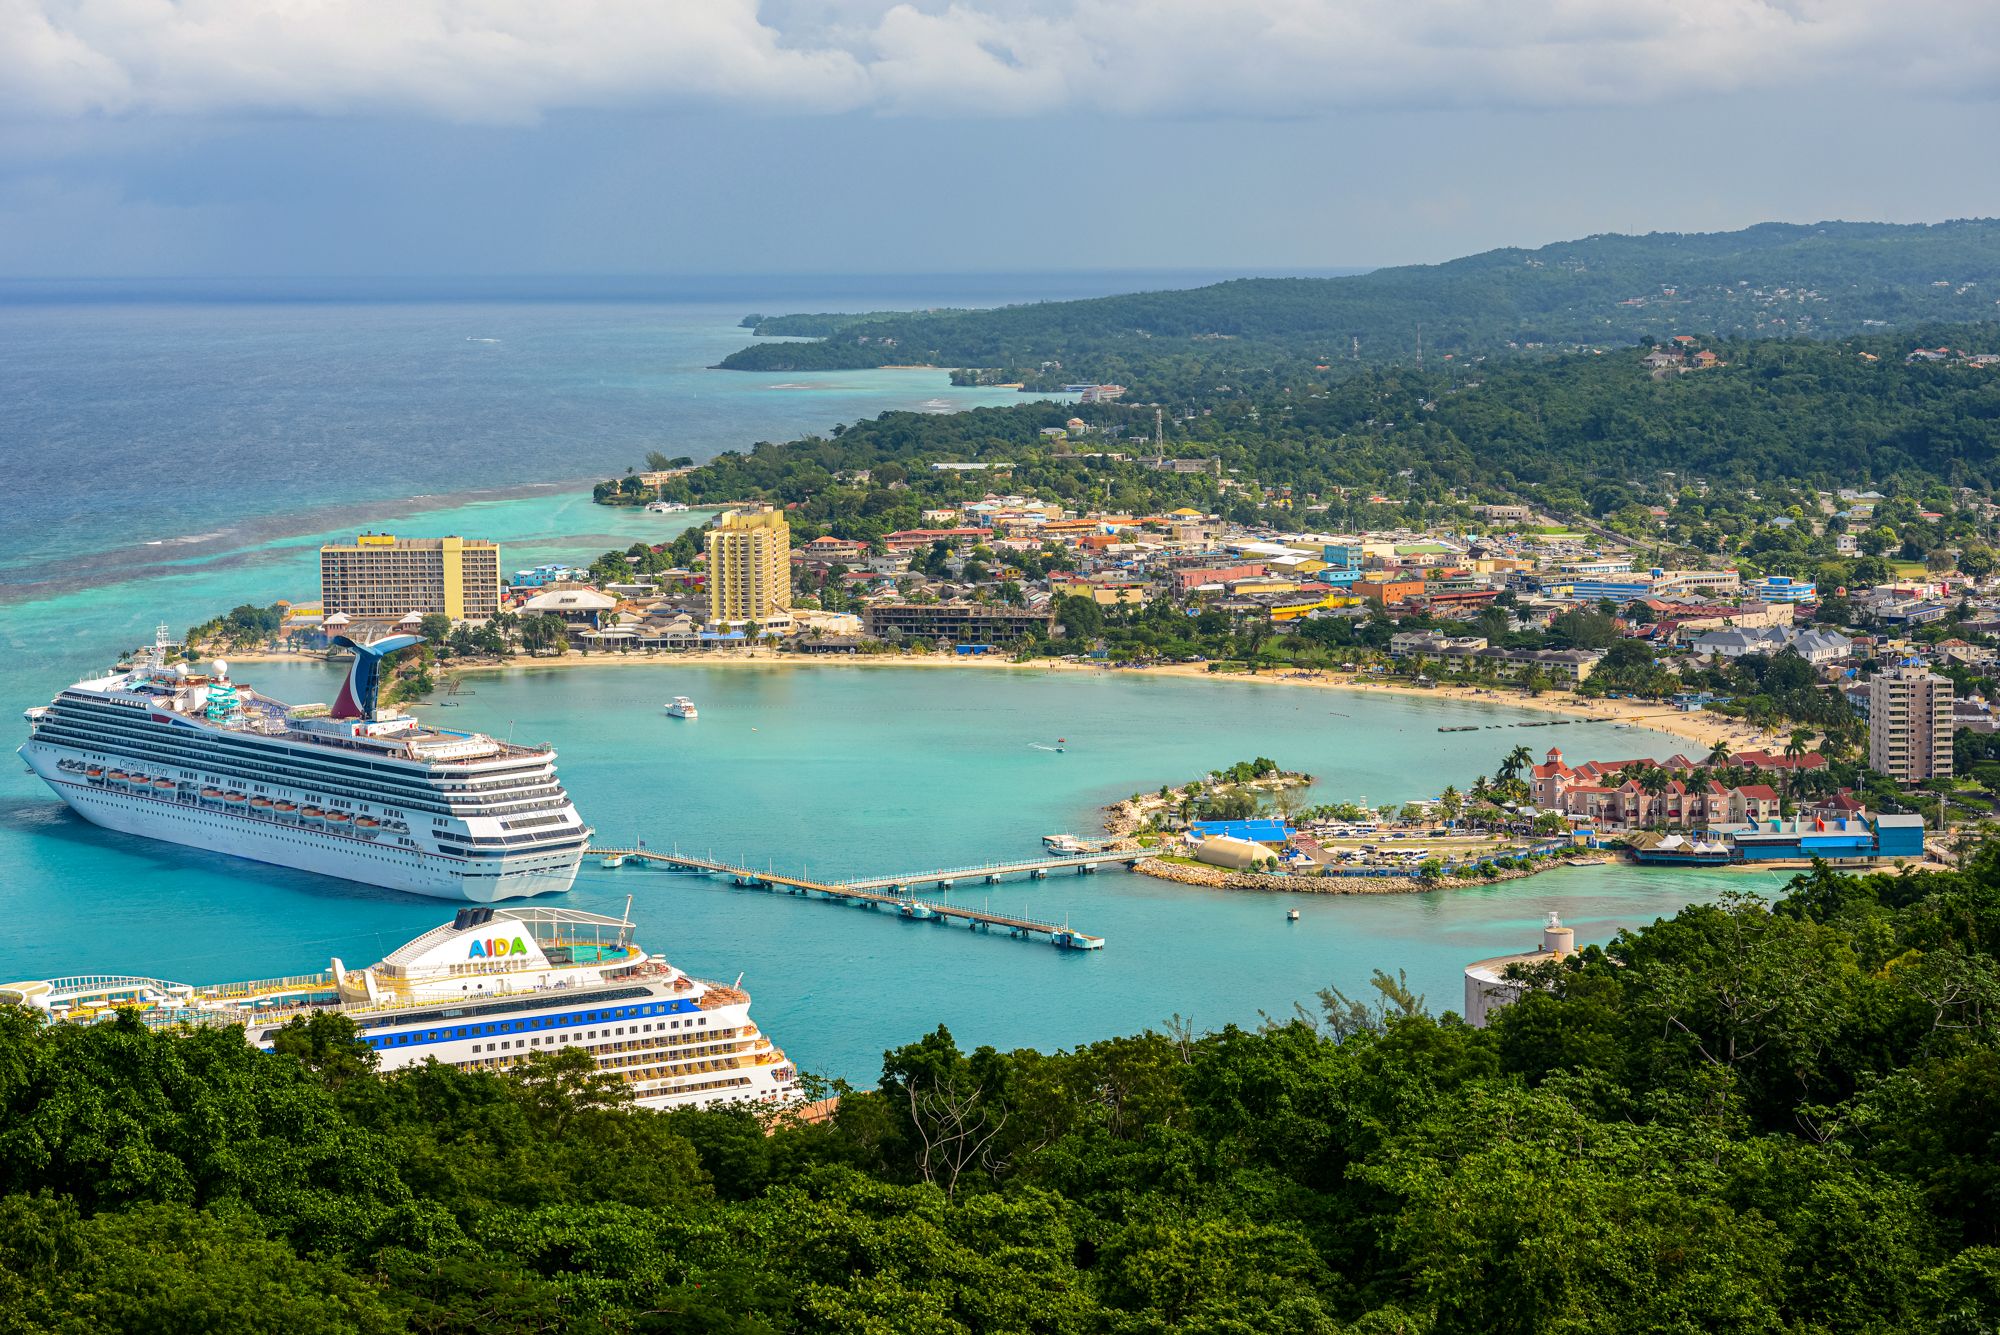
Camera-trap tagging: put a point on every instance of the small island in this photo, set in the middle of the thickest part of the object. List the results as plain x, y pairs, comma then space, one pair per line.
1247, 827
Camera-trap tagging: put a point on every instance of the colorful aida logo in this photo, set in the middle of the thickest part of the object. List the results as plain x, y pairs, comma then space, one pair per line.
497, 947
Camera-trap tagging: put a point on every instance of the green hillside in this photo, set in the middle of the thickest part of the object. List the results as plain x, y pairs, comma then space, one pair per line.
1770, 280
1744, 1118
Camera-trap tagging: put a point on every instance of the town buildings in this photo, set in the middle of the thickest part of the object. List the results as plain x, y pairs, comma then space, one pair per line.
975, 623
1910, 724
382, 578
749, 566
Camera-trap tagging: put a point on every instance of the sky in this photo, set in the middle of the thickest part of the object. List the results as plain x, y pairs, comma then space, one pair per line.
703, 137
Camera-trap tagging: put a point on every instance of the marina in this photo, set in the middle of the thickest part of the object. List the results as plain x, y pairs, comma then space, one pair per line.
947, 782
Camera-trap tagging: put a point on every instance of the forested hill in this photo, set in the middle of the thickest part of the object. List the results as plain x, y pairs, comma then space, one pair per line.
1586, 433
1774, 279
1746, 1118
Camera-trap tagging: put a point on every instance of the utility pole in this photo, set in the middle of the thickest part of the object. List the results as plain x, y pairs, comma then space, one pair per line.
1159, 427
1420, 345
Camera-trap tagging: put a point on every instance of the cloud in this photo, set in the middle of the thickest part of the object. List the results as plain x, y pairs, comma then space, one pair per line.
515, 60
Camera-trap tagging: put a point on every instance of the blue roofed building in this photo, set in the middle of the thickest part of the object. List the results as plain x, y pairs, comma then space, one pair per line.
1271, 830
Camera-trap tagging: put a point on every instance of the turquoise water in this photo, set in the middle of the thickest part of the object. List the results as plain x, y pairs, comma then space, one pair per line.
843, 770
137, 431
171, 461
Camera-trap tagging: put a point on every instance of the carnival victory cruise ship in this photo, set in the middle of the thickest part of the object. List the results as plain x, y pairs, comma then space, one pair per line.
487, 991
352, 791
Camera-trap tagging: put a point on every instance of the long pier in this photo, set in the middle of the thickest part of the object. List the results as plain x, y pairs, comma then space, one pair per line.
891, 892
992, 873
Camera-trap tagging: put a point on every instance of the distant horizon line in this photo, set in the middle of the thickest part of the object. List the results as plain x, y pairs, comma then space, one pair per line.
1248, 271
780, 293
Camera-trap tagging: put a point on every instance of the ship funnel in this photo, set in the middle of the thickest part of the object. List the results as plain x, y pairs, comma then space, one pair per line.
364, 679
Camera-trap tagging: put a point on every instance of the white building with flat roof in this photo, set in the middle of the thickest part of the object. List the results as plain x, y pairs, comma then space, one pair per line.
1487, 988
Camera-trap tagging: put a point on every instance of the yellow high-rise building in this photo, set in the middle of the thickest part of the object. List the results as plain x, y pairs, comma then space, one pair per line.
380, 577
749, 566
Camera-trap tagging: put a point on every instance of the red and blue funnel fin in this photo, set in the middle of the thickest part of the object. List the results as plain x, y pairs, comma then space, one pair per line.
357, 693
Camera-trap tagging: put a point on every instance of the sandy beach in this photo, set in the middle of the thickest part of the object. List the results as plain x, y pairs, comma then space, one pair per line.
1701, 730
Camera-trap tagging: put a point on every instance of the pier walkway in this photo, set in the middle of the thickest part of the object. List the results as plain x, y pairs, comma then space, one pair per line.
890, 892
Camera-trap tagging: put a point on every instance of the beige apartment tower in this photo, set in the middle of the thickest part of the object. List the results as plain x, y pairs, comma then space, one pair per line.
749, 566
1909, 724
380, 577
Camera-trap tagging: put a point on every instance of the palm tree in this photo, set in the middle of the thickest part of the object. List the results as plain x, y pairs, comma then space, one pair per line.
1520, 758
1796, 747
1718, 755
1451, 803
1654, 783
1799, 743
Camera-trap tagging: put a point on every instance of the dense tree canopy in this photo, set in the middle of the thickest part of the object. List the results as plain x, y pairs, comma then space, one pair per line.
1744, 1118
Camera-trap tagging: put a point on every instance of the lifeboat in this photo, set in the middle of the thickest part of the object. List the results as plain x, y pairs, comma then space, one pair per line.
235, 798
312, 815
94, 772
369, 826
118, 776
260, 802
164, 785
283, 807
336, 818
211, 794
140, 780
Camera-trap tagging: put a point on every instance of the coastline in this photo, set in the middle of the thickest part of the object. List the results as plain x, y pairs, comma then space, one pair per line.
1697, 728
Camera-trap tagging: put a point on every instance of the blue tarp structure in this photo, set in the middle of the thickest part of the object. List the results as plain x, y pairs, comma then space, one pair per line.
1256, 831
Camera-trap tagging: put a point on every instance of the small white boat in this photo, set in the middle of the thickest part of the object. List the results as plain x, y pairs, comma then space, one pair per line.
613, 860
666, 508
682, 707
1291, 915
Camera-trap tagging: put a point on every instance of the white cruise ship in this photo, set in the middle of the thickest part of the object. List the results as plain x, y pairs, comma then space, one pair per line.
487, 991
352, 791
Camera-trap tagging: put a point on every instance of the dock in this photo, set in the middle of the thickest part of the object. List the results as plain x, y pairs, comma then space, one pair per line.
892, 893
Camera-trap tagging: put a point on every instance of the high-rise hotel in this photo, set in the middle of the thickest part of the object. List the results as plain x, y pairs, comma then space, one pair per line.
749, 566
380, 577
1909, 724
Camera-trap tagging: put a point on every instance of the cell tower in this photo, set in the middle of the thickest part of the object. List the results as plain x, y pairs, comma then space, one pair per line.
1159, 427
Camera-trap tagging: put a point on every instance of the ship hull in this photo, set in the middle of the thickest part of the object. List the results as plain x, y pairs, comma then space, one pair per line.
343, 856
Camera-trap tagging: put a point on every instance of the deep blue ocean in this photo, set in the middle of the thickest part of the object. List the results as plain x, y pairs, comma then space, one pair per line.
178, 449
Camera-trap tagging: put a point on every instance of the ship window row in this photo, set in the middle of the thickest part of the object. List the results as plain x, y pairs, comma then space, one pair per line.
272, 822
457, 851
340, 768
144, 747
500, 840
473, 1009
566, 1019
526, 768
149, 745
684, 1046
664, 1080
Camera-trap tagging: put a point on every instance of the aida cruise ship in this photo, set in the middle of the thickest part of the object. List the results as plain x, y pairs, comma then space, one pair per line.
487, 991
351, 790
